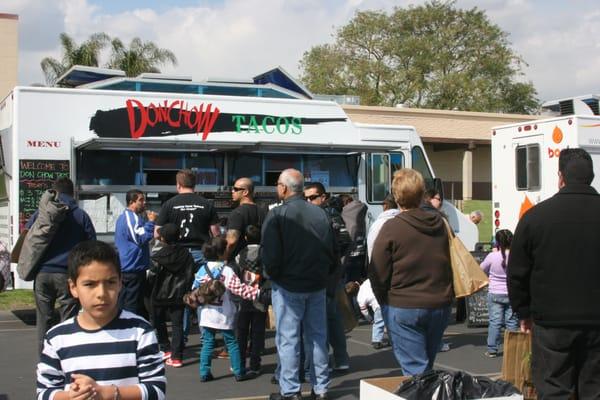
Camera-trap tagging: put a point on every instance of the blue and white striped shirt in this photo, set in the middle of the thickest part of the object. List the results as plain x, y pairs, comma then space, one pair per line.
124, 352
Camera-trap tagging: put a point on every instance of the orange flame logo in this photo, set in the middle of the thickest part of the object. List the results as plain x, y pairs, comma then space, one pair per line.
525, 206
557, 135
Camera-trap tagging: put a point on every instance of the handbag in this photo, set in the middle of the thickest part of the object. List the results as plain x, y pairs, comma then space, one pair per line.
467, 276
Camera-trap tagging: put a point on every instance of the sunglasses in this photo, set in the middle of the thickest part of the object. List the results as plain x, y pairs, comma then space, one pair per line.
237, 189
312, 197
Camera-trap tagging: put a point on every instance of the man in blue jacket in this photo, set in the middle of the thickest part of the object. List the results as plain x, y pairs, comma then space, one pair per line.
133, 234
50, 284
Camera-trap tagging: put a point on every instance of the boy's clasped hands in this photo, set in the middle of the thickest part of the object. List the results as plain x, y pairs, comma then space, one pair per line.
85, 388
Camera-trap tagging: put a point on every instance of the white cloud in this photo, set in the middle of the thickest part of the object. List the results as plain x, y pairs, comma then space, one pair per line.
240, 38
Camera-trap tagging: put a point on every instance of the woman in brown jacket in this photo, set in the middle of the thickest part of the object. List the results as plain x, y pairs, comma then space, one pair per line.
411, 276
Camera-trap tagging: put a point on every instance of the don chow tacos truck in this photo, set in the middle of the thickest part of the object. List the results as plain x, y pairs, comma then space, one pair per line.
122, 133
525, 159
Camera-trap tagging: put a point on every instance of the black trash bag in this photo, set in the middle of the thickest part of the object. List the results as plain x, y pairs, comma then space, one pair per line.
445, 385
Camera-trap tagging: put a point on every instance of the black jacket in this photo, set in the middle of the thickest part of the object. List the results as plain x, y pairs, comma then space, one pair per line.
174, 267
298, 246
554, 263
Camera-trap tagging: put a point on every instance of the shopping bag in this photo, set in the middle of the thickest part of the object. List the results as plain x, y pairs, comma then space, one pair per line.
344, 308
50, 216
516, 363
467, 276
16, 250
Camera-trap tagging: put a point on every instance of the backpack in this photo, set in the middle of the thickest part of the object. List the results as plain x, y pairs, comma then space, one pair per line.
208, 292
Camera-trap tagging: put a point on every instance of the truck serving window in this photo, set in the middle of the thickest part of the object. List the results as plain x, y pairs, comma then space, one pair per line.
419, 163
528, 167
380, 171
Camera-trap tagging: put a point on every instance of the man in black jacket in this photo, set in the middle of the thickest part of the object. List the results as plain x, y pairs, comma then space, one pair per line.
554, 282
299, 255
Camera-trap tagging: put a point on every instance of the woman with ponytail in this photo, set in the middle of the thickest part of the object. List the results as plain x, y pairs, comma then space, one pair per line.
500, 313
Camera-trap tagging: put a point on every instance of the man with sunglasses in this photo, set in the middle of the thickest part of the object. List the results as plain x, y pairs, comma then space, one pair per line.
247, 213
314, 193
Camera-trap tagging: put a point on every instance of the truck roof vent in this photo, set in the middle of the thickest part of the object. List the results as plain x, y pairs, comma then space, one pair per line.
587, 106
566, 107
593, 104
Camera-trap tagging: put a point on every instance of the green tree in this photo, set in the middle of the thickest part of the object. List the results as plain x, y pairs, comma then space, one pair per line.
139, 57
430, 56
85, 54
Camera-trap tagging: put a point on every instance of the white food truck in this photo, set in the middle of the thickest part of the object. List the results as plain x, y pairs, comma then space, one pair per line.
525, 161
110, 141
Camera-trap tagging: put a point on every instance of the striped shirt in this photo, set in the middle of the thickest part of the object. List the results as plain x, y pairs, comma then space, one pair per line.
124, 352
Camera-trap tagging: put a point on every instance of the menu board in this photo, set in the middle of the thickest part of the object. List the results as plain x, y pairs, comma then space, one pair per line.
477, 309
35, 177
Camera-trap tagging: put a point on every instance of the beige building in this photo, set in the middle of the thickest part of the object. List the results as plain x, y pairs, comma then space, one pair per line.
458, 143
9, 45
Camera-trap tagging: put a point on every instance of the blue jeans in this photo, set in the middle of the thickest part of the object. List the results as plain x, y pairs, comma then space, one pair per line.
208, 345
199, 259
378, 327
335, 336
416, 335
501, 315
298, 314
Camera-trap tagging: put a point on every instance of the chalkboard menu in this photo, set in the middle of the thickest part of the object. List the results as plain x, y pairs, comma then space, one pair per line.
35, 177
477, 309
477, 306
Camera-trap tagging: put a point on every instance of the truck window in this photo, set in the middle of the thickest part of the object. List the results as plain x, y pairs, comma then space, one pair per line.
419, 163
338, 171
527, 160
380, 171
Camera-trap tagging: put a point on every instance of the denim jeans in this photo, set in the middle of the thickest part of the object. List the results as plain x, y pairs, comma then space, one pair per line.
501, 315
378, 326
336, 338
208, 345
416, 335
48, 289
298, 314
131, 296
199, 259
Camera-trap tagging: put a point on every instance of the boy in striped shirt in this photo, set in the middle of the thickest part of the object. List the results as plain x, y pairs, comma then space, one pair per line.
103, 353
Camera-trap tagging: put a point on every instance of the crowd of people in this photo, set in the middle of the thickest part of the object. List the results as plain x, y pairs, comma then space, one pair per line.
300, 258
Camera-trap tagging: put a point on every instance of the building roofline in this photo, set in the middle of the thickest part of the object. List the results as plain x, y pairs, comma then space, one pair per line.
8, 16
434, 112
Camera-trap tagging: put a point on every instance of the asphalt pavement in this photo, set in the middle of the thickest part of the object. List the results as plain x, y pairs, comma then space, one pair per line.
18, 360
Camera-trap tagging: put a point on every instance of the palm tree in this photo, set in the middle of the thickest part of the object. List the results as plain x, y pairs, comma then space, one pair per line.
139, 57
85, 54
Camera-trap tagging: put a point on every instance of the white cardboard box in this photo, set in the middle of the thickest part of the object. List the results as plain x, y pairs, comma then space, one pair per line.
383, 389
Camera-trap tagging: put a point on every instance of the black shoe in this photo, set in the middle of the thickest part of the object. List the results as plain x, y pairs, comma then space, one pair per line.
207, 378
377, 345
322, 396
254, 372
245, 377
274, 380
278, 396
